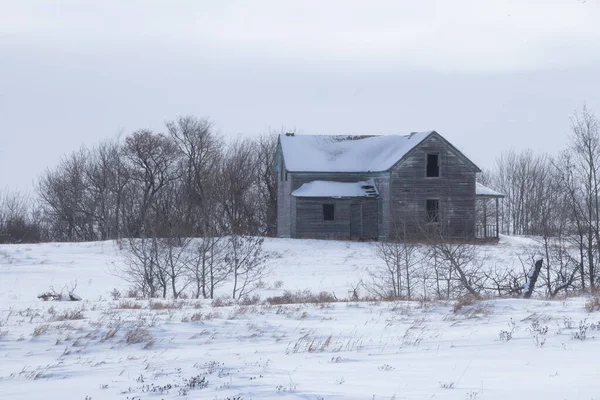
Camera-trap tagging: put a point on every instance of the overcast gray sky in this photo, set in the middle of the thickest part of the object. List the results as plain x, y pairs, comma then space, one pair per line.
487, 75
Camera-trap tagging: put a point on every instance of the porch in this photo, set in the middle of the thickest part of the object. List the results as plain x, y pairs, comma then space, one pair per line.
487, 220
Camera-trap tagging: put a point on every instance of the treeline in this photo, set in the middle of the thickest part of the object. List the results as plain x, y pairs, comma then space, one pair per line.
185, 181
557, 199
20, 219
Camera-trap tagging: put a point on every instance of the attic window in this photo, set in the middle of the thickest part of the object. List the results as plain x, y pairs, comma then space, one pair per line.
433, 210
328, 212
433, 166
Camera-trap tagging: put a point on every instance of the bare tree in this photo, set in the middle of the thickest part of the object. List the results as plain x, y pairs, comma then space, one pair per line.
557, 199
69, 207
152, 158
141, 265
207, 267
201, 151
561, 268
107, 177
503, 282
395, 278
156, 265
18, 221
175, 258
462, 262
140, 186
577, 231
267, 183
246, 260
238, 189
585, 145
523, 178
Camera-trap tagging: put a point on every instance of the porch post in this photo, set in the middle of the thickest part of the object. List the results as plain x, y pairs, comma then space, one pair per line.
485, 229
497, 221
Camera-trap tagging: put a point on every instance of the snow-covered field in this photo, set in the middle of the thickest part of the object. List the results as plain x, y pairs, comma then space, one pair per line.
124, 349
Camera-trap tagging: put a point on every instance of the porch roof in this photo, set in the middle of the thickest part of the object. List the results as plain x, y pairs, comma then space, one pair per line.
483, 191
337, 189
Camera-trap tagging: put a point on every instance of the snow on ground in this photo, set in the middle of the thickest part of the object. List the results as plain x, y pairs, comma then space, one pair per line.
123, 349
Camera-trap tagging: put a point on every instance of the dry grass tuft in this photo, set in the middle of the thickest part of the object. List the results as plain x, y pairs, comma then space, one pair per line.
223, 301
593, 304
131, 293
129, 305
302, 297
462, 302
109, 334
40, 330
159, 305
115, 294
68, 315
138, 334
197, 317
249, 300
469, 308
309, 344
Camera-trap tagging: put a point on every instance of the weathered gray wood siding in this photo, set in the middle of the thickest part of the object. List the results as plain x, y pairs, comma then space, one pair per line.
310, 222
383, 205
307, 213
284, 209
284, 199
410, 189
370, 218
293, 218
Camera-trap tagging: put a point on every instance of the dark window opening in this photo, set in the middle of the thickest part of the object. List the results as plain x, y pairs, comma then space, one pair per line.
433, 210
328, 212
433, 166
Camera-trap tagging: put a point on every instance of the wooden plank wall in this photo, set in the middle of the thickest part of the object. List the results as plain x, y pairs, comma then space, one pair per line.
310, 222
307, 213
410, 188
284, 205
383, 213
400, 207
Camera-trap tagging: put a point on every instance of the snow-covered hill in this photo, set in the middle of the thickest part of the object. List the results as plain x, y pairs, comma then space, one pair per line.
124, 349
335, 266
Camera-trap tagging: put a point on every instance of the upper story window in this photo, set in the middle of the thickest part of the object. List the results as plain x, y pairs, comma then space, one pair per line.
433, 165
433, 210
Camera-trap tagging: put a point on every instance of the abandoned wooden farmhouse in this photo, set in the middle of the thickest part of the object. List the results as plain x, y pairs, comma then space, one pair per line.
380, 187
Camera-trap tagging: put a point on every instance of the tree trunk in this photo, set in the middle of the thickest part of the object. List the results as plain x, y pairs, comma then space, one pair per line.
533, 278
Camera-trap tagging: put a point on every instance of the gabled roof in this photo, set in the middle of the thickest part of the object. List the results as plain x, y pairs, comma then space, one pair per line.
316, 153
337, 189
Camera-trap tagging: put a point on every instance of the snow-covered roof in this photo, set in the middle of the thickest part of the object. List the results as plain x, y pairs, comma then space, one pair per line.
337, 189
484, 191
314, 153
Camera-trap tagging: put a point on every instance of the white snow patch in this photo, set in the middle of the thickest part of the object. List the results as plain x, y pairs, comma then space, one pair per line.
482, 190
315, 153
334, 351
337, 189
